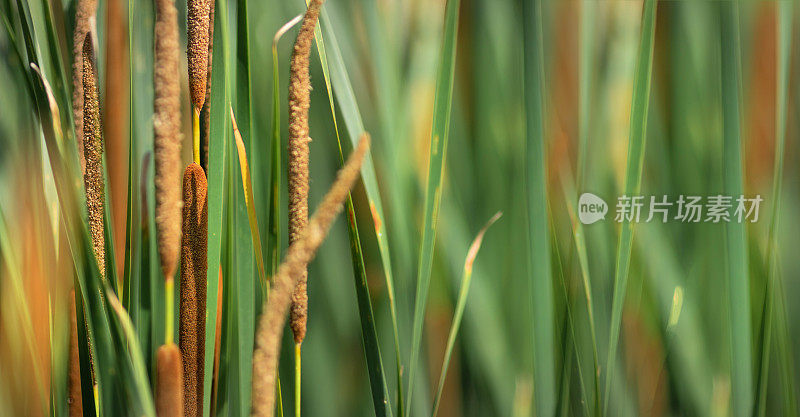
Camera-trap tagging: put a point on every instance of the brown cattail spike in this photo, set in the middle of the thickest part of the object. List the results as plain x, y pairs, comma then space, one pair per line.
300, 253
194, 269
74, 400
197, 49
205, 114
299, 103
169, 398
167, 142
93, 153
84, 16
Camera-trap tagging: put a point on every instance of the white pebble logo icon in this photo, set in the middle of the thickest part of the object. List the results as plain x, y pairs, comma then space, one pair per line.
591, 208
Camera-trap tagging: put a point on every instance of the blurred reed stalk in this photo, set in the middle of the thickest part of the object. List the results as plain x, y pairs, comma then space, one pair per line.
194, 268
300, 253
115, 126
167, 147
84, 19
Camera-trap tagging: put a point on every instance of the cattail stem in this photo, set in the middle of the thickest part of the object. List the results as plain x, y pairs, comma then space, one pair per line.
196, 134
300, 253
298, 371
169, 309
194, 270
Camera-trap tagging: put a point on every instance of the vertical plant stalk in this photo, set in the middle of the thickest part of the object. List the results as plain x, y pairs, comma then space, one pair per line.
300, 253
194, 270
633, 179
116, 124
735, 234
440, 129
74, 400
93, 153
299, 103
84, 16
217, 340
167, 147
169, 398
541, 285
198, 40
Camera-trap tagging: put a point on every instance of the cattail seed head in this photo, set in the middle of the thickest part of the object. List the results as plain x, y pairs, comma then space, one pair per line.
169, 398
197, 48
93, 154
167, 141
300, 253
205, 114
299, 103
84, 14
194, 269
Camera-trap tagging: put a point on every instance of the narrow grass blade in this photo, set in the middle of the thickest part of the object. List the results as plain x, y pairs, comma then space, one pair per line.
783, 37
249, 202
736, 264
463, 292
220, 103
541, 286
633, 179
336, 80
443, 98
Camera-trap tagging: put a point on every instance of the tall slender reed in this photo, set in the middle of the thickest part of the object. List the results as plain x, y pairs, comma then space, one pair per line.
299, 103
194, 268
300, 253
93, 155
167, 146
84, 17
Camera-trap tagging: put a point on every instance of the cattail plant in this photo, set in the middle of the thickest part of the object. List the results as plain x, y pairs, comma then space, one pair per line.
299, 103
194, 268
198, 40
84, 18
169, 398
290, 272
167, 146
93, 155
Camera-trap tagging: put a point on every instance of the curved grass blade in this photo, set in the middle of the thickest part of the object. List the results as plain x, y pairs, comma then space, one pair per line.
736, 265
545, 388
633, 179
352, 120
343, 91
249, 202
466, 278
443, 98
